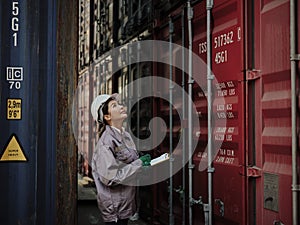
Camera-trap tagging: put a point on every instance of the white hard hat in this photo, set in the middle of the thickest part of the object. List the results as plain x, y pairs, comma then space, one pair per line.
99, 102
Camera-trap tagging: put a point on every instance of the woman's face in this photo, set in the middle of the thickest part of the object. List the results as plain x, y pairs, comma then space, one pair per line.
116, 112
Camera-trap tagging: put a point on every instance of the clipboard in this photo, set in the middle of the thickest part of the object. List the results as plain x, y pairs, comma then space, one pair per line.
164, 157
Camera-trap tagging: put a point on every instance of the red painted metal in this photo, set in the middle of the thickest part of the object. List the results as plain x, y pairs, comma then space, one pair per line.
229, 185
161, 190
273, 111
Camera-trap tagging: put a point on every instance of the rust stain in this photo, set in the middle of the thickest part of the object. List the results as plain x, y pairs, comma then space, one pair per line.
66, 196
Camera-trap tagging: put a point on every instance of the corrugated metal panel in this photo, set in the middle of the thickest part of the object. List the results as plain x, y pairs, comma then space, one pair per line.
28, 45
274, 138
162, 206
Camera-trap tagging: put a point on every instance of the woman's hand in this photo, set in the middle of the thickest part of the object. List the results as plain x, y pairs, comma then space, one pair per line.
146, 159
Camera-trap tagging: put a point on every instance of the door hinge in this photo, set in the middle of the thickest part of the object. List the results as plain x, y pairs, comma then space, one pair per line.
250, 171
252, 74
253, 171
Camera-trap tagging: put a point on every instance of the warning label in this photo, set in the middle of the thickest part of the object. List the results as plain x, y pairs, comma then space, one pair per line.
13, 150
14, 109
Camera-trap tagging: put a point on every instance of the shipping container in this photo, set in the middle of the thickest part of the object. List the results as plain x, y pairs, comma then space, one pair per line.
251, 91
249, 126
38, 64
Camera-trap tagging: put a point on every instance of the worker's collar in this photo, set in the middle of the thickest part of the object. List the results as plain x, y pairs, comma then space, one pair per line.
120, 131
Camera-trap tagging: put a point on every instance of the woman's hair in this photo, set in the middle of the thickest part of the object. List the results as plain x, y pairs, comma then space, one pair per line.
104, 109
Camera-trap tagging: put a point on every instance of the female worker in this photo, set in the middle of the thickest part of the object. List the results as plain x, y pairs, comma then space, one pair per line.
115, 162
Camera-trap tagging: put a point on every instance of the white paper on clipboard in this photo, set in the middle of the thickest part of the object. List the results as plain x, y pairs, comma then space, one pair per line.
162, 158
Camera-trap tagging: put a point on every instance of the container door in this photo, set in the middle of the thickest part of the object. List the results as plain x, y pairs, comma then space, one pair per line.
229, 181
162, 189
272, 99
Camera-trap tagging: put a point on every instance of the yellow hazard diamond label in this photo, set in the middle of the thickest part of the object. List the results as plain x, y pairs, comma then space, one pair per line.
13, 151
14, 109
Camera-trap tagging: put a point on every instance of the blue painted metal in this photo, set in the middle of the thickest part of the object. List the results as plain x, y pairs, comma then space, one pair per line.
27, 189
